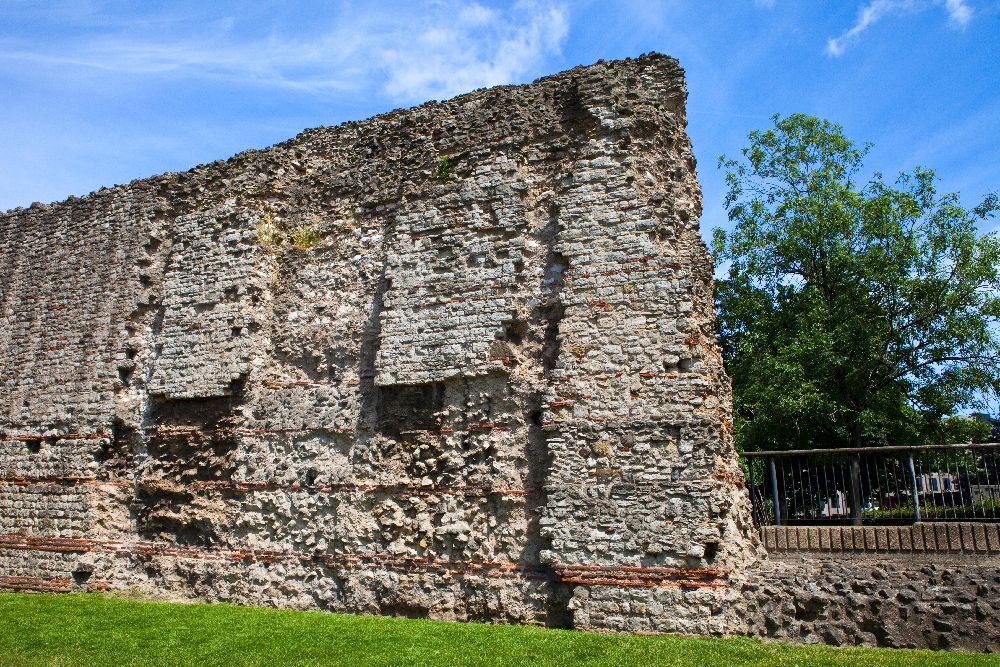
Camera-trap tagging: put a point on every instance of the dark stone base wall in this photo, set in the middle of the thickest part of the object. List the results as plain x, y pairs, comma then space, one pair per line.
932, 601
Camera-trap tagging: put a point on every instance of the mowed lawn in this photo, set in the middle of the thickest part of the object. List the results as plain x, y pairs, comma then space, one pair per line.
95, 629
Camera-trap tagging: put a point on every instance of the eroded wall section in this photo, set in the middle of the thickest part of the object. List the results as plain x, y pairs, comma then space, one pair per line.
455, 361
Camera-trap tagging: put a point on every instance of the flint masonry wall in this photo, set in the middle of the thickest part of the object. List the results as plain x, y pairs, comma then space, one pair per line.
488, 390
931, 585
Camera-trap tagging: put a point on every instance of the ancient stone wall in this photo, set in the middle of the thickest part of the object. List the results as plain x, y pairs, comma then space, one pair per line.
930, 585
916, 600
455, 361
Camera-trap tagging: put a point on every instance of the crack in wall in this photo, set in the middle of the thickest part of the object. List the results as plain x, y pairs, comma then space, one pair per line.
547, 316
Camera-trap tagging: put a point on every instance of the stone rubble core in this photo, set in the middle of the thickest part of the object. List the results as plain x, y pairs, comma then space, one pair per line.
455, 361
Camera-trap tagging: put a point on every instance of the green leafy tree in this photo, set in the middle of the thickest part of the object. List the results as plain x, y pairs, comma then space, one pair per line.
853, 313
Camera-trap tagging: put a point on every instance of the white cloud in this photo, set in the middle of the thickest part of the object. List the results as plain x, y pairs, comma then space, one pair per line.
959, 12
959, 15
868, 15
476, 49
410, 53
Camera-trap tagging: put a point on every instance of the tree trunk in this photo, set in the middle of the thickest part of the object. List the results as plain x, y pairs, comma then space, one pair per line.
856, 434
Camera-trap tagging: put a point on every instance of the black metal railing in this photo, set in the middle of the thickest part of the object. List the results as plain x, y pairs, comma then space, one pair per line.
875, 485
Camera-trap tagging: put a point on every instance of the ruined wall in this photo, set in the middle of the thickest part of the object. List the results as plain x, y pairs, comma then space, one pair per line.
929, 585
455, 361
900, 600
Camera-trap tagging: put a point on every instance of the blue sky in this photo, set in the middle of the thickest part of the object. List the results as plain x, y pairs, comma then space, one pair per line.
101, 92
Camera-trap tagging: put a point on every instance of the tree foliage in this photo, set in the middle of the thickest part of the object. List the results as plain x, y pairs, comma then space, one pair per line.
852, 313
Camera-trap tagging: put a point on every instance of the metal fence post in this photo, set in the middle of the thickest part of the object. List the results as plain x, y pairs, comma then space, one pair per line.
913, 488
774, 492
856, 489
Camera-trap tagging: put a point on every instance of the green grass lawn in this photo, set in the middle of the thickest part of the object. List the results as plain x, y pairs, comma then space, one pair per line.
102, 630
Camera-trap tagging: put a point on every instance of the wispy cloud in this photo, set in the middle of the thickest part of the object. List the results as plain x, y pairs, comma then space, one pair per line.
958, 12
959, 15
408, 54
477, 47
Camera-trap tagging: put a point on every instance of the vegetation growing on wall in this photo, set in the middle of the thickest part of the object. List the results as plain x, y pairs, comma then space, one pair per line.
274, 236
444, 168
269, 233
305, 237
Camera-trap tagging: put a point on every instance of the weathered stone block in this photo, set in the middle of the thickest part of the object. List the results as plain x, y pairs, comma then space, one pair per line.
979, 538
992, 536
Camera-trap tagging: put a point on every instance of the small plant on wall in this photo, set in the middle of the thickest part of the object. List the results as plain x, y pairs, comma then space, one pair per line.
305, 237
444, 168
269, 234
274, 235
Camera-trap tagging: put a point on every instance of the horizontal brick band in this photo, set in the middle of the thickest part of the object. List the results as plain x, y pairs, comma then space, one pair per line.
639, 577
50, 585
590, 575
191, 432
194, 432
249, 487
35, 437
52, 480
36, 584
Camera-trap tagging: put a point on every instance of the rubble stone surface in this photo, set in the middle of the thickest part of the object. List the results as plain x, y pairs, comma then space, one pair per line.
922, 601
455, 361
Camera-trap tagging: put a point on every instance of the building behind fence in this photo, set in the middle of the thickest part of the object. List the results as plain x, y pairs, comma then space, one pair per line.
875, 485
